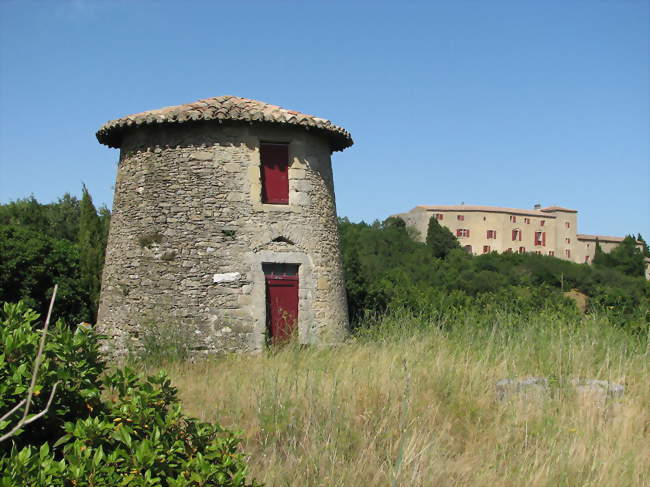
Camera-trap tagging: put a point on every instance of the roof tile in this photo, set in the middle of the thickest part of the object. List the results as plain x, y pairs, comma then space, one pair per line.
224, 108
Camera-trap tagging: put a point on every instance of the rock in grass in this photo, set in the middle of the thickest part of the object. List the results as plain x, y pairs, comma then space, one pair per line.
530, 388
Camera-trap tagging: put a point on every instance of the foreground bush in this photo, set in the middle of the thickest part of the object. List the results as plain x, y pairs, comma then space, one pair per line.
124, 429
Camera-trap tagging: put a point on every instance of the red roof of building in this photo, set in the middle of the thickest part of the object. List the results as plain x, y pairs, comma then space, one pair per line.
489, 209
558, 208
601, 238
224, 108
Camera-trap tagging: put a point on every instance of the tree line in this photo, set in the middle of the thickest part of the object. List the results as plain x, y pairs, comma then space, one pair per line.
62, 242
385, 266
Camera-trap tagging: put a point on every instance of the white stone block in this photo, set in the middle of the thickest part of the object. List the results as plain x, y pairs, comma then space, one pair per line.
226, 277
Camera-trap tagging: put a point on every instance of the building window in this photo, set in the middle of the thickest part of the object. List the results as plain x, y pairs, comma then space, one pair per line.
509, 251
551, 253
274, 159
491, 234
462, 232
541, 224
486, 249
568, 253
538, 252
527, 220
513, 218
522, 250
567, 224
439, 216
586, 259
516, 234
567, 240
460, 217
540, 238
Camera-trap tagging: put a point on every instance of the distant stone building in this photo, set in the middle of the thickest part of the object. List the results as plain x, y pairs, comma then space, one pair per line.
483, 229
224, 227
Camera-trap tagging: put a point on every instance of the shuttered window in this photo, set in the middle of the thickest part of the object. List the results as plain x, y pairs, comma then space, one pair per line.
274, 160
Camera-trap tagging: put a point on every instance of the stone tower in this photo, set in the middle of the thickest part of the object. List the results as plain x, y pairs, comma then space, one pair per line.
224, 227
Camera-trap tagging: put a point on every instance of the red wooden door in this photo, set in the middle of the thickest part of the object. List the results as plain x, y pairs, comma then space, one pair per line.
281, 307
275, 173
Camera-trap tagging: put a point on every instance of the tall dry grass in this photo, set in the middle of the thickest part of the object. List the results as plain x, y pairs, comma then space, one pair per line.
413, 403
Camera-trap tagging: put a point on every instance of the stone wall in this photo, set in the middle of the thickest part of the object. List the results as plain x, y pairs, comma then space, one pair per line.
189, 234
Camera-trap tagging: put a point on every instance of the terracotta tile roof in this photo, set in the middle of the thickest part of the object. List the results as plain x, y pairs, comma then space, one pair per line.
558, 208
489, 209
224, 108
602, 238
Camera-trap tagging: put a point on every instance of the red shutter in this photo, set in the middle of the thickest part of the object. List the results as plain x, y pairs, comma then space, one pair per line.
544, 239
275, 173
520, 232
514, 235
458, 232
467, 232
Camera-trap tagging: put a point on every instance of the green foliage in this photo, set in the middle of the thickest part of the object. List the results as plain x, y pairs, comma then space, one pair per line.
62, 242
31, 263
645, 250
69, 357
385, 268
149, 239
91, 249
163, 342
123, 429
440, 239
58, 220
627, 258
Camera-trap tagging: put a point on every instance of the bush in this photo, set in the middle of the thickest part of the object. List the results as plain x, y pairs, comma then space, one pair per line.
386, 269
69, 358
124, 429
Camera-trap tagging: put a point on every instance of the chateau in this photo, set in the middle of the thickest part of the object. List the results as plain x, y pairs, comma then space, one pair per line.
224, 226
481, 229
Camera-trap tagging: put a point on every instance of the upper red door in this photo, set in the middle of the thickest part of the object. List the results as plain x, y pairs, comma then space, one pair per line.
275, 173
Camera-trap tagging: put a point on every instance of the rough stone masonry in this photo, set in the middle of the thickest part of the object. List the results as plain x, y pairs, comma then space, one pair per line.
190, 231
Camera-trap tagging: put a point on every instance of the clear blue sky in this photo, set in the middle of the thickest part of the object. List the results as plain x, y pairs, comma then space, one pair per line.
506, 103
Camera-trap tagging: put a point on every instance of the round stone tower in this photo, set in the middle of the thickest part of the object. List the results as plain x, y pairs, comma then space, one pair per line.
224, 231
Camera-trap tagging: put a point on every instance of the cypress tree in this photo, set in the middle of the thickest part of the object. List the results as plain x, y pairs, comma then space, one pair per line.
440, 239
646, 249
91, 249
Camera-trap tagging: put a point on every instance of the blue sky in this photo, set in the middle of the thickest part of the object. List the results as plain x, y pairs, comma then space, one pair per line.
506, 103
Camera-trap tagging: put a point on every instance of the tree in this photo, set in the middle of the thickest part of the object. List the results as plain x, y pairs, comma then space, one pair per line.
440, 239
30, 264
628, 258
600, 258
91, 249
646, 250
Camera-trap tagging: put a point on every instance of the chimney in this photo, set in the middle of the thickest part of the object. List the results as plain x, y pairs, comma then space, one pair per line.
538, 206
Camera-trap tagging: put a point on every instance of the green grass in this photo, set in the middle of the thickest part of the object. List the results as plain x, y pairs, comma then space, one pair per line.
411, 401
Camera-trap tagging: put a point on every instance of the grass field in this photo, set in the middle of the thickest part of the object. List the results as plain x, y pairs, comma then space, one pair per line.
413, 403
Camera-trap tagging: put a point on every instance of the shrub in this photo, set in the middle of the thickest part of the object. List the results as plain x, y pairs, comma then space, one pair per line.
124, 429
70, 358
